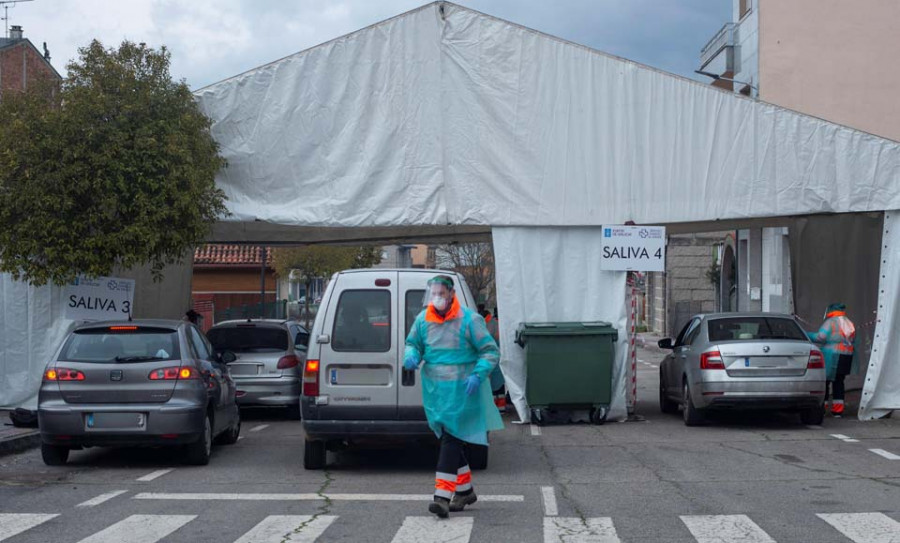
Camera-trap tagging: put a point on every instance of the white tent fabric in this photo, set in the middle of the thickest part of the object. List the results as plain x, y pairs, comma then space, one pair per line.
881, 390
553, 274
445, 116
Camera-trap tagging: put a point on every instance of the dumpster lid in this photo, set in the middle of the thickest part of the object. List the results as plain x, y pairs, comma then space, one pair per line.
565, 328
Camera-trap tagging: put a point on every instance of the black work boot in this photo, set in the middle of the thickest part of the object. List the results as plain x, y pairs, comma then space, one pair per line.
440, 507
460, 501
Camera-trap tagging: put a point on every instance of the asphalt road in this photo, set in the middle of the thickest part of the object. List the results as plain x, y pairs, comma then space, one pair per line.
745, 479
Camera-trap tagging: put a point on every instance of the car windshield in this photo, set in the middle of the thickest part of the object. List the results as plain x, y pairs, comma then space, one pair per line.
748, 328
255, 339
121, 345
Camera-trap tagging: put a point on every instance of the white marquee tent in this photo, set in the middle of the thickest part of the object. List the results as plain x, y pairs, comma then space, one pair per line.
445, 122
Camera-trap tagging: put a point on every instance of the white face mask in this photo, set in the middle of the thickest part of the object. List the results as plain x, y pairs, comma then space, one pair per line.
439, 302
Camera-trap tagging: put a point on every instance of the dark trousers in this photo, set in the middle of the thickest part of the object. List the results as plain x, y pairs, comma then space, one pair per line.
452, 455
843, 368
453, 474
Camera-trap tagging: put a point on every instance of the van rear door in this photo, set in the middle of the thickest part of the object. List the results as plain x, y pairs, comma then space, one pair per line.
359, 362
409, 391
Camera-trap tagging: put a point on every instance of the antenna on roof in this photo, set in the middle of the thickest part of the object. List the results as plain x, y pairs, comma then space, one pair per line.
6, 4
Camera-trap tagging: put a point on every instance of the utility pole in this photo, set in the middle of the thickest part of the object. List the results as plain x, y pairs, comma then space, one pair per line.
6, 4
262, 283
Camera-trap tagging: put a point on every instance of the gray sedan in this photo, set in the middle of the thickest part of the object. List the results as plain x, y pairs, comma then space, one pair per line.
142, 382
742, 361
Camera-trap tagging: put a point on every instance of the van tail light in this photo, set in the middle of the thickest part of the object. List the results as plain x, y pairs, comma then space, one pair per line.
816, 360
63, 374
287, 362
711, 360
311, 378
174, 373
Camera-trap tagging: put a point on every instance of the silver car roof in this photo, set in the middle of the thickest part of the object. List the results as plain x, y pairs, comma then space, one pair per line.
160, 323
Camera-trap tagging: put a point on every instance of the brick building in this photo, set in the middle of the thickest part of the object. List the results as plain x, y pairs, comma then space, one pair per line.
226, 282
22, 64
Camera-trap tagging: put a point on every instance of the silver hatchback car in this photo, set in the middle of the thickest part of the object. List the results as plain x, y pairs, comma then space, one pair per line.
142, 382
742, 361
270, 356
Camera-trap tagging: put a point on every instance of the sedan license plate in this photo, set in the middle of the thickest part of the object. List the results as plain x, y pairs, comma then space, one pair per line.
115, 421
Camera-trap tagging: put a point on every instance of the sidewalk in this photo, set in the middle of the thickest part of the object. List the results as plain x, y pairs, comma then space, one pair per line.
14, 439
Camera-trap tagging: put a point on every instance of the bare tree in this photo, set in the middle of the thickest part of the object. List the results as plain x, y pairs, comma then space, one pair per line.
475, 261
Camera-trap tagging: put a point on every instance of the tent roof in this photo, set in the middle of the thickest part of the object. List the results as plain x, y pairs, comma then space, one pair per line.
444, 120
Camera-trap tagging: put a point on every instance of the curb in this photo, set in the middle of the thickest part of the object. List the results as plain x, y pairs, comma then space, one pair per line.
20, 442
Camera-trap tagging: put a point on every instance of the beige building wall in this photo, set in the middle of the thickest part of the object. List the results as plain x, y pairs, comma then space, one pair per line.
833, 59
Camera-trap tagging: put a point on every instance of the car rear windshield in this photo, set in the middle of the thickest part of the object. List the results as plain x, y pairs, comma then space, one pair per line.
743, 328
249, 339
120, 344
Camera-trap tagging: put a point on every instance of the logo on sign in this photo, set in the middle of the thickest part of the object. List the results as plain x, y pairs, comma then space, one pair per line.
607, 232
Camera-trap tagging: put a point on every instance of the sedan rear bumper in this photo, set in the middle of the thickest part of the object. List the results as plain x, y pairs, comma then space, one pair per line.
755, 394
277, 392
161, 425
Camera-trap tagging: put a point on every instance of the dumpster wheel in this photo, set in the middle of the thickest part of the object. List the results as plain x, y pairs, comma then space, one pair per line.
598, 414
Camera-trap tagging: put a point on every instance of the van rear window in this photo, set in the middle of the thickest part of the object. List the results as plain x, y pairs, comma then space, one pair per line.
362, 322
124, 344
258, 339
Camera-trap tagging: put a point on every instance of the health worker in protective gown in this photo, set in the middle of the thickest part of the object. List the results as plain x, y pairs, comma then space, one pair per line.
457, 354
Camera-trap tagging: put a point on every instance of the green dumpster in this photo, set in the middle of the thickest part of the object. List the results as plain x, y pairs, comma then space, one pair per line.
568, 366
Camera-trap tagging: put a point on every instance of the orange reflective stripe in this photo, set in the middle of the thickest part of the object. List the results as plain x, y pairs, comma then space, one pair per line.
836, 314
441, 484
464, 478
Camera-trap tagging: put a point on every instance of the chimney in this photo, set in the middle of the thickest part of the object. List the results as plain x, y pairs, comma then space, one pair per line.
46, 53
15, 32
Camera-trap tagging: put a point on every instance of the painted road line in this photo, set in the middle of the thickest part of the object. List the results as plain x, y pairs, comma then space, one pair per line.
865, 527
719, 528
434, 530
240, 438
155, 475
592, 530
846, 439
101, 498
16, 523
208, 496
140, 529
549, 497
535, 430
258, 428
279, 528
885, 454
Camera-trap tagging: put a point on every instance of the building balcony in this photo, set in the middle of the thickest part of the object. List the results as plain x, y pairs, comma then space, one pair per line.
717, 56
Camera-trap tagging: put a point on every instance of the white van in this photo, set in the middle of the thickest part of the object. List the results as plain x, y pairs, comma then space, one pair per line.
354, 384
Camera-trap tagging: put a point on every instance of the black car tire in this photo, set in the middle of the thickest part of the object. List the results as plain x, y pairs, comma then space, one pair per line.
313, 454
230, 436
814, 416
692, 415
54, 455
477, 455
198, 452
665, 404
293, 411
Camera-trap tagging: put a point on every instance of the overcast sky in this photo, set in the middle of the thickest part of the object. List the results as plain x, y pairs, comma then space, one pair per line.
211, 40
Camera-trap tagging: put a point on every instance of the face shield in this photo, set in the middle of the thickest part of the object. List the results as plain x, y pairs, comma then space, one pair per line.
438, 293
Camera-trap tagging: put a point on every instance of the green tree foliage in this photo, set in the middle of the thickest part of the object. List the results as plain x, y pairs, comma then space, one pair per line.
314, 261
114, 168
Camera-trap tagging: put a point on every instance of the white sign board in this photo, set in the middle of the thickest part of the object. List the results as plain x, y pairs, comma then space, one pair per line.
99, 299
633, 248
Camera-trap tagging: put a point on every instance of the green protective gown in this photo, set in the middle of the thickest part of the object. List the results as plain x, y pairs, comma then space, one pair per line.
452, 350
829, 337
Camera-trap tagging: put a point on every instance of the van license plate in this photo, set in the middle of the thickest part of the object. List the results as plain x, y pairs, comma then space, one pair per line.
334, 377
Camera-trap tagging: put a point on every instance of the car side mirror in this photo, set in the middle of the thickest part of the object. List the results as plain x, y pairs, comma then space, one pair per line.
227, 357
665, 343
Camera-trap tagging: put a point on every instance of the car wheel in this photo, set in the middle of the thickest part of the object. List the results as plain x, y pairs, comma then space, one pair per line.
665, 404
293, 411
692, 415
313, 454
477, 455
230, 436
813, 417
54, 455
199, 451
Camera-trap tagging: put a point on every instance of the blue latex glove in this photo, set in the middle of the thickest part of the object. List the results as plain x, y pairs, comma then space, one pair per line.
411, 363
472, 384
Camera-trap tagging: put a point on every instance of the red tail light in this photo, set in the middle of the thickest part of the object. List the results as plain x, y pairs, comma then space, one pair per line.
63, 374
289, 361
174, 373
816, 360
311, 378
711, 360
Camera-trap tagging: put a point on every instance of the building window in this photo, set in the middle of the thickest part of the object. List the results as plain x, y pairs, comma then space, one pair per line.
745, 8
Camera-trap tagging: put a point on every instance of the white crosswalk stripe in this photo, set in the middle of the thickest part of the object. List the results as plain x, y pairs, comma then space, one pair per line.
575, 530
434, 530
294, 528
140, 529
865, 527
725, 528
15, 523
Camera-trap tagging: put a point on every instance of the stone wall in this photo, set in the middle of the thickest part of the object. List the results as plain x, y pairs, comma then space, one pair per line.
689, 291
